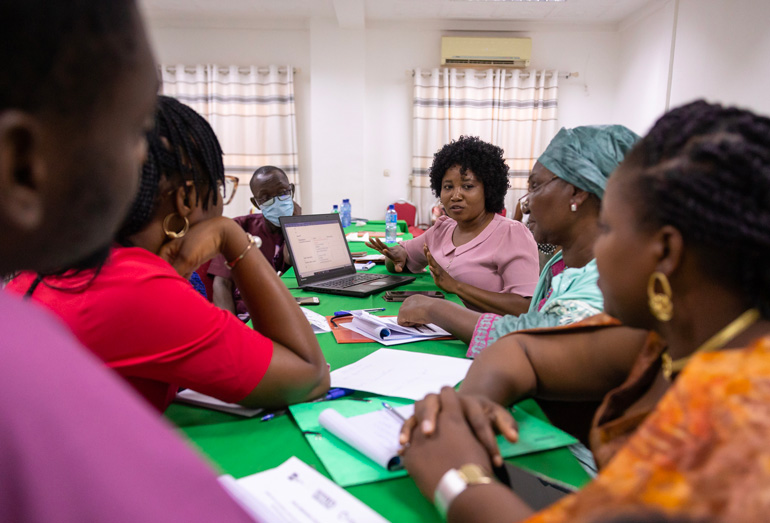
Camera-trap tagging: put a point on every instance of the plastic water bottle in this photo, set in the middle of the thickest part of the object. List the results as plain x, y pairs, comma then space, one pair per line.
335, 209
345, 213
391, 227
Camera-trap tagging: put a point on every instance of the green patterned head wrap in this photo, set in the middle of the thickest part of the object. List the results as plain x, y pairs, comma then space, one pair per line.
586, 156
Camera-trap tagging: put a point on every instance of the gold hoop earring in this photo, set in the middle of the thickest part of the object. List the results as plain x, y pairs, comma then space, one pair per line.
172, 234
660, 304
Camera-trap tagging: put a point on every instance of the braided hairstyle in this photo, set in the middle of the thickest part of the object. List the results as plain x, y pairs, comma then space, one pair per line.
181, 148
484, 159
705, 169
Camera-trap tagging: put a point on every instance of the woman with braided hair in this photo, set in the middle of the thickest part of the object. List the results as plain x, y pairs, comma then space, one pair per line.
685, 235
149, 324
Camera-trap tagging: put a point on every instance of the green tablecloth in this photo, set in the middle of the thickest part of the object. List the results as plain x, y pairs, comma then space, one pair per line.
240, 447
377, 225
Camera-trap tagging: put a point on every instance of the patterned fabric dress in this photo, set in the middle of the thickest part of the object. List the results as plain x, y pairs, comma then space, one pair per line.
563, 296
704, 451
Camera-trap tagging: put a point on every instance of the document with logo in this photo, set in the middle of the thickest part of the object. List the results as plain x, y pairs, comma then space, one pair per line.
295, 492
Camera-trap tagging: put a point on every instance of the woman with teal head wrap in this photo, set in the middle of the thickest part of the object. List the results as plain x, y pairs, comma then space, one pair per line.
566, 186
586, 156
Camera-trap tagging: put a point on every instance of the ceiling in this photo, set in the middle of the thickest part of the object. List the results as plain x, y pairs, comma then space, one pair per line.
359, 13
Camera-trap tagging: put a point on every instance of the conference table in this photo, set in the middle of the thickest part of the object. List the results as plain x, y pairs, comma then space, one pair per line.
242, 446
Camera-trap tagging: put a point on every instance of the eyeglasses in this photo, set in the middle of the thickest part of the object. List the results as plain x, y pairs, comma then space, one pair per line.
267, 202
524, 200
227, 188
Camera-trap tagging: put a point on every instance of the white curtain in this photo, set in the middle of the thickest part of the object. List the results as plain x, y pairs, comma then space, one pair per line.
252, 112
515, 110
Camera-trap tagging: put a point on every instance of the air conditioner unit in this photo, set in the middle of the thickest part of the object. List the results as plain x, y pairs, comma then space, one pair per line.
478, 52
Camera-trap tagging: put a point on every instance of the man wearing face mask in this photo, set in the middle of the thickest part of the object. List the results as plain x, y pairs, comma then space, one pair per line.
274, 196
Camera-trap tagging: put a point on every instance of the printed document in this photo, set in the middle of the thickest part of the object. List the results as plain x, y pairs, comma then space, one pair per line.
296, 493
401, 374
387, 331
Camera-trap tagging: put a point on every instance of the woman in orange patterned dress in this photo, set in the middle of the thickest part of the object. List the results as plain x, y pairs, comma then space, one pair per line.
683, 249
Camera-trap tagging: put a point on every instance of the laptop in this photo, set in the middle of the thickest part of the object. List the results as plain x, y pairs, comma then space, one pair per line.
322, 260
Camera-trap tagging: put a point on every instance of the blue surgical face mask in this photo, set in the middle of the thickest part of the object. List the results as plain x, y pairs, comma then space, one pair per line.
277, 209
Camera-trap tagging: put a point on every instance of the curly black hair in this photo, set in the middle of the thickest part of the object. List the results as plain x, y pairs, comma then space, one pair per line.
483, 159
705, 169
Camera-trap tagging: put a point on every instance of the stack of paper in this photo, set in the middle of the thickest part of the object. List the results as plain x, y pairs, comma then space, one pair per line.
387, 331
294, 492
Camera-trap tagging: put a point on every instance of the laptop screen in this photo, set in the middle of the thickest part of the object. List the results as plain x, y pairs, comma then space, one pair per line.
318, 247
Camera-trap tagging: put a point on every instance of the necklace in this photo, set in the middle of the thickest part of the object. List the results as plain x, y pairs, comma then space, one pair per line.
546, 248
717, 341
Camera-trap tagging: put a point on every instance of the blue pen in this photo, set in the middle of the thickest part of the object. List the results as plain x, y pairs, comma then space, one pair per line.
338, 393
334, 394
268, 417
337, 314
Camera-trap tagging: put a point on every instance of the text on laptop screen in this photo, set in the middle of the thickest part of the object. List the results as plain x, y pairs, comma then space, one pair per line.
317, 247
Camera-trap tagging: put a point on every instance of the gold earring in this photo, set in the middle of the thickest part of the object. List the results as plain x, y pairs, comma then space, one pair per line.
172, 234
661, 305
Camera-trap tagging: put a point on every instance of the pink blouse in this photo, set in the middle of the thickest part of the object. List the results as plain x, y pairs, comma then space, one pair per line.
502, 258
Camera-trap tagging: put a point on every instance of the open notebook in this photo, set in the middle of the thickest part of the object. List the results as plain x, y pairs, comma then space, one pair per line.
358, 441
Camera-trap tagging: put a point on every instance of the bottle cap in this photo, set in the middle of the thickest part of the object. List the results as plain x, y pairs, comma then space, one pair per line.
391, 206
345, 200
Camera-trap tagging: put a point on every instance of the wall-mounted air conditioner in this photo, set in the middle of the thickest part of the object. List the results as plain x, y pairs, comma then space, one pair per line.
477, 52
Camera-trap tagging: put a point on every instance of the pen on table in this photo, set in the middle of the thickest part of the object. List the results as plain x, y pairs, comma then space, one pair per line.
268, 417
393, 411
333, 394
348, 313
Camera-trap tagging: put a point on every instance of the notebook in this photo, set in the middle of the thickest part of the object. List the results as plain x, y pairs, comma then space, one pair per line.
322, 260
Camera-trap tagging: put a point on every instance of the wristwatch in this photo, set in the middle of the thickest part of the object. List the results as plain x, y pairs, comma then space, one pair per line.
455, 481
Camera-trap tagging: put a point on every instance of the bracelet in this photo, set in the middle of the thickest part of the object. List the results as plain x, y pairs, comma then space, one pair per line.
455, 481
252, 242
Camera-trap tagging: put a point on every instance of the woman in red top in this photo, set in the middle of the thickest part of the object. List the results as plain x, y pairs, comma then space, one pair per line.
147, 322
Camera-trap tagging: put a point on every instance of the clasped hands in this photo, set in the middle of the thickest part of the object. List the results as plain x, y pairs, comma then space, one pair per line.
449, 430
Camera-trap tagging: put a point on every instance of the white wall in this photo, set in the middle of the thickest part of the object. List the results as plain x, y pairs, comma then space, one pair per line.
587, 99
353, 93
723, 53
644, 57
337, 117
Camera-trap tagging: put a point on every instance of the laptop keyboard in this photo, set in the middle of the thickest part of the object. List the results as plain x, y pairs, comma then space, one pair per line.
355, 279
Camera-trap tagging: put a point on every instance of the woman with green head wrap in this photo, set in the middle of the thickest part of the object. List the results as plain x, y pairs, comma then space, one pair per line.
565, 191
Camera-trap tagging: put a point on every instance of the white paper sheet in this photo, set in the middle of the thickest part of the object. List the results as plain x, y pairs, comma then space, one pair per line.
296, 493
317, 321
375, 435
401, 374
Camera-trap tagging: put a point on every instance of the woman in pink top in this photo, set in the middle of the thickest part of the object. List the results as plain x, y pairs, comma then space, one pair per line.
489, 261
